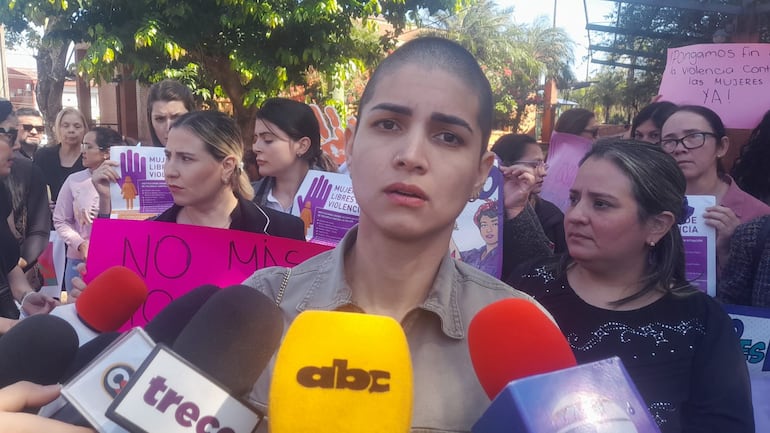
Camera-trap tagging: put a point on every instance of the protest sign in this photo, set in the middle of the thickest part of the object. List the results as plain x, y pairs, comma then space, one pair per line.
141, 190
175, 258
700, 245
728, 78
753, 327
333, 134
564, 154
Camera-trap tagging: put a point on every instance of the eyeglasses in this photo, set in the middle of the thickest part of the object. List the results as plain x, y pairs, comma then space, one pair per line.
689, 141
531, 164
593, 131
38, 128
10, 134
88, 146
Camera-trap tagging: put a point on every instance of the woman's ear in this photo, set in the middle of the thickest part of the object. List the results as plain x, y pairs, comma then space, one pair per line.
659, 225
724, 146
303, 145
228, 167
485, 164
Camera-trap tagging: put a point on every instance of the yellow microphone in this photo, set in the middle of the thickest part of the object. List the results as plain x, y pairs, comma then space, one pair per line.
341, 372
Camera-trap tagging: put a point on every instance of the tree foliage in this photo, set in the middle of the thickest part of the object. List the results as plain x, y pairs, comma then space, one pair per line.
246, 50
515, 57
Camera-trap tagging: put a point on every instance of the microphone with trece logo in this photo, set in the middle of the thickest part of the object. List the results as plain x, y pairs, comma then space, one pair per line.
527, 368
227, 338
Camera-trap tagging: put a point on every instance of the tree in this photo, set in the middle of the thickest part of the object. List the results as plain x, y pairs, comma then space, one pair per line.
514, 57
22, 19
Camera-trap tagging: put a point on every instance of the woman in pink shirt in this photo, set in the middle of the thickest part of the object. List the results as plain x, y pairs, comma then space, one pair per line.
78, 201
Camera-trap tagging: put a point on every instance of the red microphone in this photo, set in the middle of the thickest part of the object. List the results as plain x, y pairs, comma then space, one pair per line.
106, 304
513, 338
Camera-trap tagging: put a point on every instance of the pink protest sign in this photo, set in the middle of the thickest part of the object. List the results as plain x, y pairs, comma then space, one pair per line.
175, 258
731, 79
564, 153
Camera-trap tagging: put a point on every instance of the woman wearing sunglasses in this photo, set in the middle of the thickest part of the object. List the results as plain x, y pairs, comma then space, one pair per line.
696, 137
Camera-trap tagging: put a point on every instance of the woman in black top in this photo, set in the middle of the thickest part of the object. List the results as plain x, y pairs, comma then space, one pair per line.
204, 171
61, 160
622, 291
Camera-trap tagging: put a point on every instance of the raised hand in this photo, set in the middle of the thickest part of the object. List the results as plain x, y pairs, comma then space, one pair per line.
131, 164
333, 135
317, 195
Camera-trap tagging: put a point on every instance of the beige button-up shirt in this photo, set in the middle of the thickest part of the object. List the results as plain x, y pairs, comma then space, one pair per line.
447, 395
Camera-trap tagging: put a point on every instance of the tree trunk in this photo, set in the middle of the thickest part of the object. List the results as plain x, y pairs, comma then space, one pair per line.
230, 80
51, 74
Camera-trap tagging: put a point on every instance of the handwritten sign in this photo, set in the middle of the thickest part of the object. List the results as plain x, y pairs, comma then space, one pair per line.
564, 154
700, 245
175, 258
753, 327
141, 190
724, 77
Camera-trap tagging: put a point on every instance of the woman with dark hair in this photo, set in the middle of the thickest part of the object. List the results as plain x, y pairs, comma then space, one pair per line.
578, 121
167, 100
287, 144
78, 205
750, 170
418, 154
622, 291
649, 120
14, 286
486, 257
522, 151
696, 137
204, 171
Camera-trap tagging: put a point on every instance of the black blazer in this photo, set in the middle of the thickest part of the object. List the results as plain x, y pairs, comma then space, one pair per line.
249, 217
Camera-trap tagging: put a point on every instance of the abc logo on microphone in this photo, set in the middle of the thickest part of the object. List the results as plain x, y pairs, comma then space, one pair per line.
339, 376
116, 378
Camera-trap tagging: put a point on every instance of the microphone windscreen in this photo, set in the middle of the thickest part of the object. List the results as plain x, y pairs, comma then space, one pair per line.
111, 299
38, 349
511, 339
166, 326
342, 372
232, 337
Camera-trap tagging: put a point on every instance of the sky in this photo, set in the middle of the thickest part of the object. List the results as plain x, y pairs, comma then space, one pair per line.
571, 16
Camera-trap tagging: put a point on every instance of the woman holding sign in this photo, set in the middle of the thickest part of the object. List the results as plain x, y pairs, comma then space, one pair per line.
204, 171
622, 291
78, 201
287, 144
696, 137
418, 154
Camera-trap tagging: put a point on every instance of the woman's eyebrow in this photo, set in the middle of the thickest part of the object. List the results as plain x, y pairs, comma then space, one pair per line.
400, 109
452, 120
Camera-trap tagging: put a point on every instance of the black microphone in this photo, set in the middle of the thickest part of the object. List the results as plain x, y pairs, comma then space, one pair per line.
37, 349
233, 337
229, 340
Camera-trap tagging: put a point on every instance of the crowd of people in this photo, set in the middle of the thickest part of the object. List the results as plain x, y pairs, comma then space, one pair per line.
609, 270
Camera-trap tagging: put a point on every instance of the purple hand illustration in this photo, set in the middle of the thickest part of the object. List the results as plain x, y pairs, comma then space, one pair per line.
317, 195
135, 167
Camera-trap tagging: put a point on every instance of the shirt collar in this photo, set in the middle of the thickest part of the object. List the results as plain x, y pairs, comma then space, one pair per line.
330, 291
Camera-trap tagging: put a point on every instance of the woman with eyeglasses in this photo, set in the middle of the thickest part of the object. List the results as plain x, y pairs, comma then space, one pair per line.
696, 138
14, 286
63, 159
521, 151
78, 205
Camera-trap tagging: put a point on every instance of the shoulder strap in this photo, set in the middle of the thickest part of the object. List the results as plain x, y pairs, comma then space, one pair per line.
759, 247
